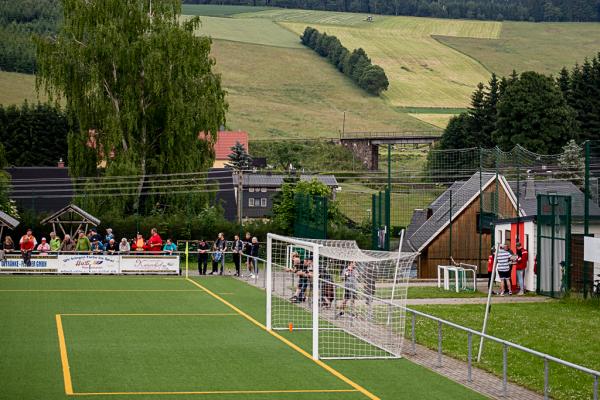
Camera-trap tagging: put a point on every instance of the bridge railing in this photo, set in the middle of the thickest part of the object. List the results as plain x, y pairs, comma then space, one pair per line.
387, 134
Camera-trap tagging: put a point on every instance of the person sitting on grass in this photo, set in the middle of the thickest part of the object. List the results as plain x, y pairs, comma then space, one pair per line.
503, 267
83, 243
169, 247
54, 242
350, 285
67, 244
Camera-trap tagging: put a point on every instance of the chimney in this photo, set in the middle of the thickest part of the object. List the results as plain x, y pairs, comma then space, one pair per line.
61, 163
529, 188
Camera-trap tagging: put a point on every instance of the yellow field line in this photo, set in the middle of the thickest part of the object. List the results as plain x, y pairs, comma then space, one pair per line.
153, 315
98, 290
219, 392
64, 359
290, 344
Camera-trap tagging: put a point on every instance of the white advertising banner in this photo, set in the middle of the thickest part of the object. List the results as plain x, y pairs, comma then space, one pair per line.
39, 265
88, 264
150, 265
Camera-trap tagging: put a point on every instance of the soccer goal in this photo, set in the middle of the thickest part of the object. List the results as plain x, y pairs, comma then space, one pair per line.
350, 301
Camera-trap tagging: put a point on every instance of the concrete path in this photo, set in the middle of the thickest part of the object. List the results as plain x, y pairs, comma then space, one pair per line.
478, 300
481, 381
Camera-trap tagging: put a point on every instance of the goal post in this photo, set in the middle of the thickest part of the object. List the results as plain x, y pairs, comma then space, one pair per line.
351, 301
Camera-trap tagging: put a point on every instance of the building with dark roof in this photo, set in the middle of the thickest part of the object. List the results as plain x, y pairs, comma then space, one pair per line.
454, 224
41, 189
259, 191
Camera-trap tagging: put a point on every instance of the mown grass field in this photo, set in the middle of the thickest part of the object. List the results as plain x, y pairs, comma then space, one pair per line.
16, 88
542, 47
422, 72
255, 31
282, 93
217, 10
564, 329
151, 337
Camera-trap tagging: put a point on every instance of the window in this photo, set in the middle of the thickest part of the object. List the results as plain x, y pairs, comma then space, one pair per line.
507, 237
263, 202
251, 190
264, 190
484, 223
250, 202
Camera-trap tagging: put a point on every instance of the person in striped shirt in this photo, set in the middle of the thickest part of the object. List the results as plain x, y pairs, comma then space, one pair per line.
503, 267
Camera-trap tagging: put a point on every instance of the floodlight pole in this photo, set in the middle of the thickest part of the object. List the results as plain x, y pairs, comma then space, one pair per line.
396, 271
489, 301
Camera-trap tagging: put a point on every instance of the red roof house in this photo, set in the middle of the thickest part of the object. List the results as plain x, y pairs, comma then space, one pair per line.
225, 141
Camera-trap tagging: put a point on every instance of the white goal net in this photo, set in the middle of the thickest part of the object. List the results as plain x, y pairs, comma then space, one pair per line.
351, 302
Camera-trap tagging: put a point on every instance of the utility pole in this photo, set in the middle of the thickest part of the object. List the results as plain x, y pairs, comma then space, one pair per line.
240, 190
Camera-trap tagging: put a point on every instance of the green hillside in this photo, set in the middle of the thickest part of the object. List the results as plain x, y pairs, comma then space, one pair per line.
276, 92
542, 47
15, 88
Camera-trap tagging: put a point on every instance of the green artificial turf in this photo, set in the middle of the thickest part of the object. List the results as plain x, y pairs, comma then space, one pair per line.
187, 341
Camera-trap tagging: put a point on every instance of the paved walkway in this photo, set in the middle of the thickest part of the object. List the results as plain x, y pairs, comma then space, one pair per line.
482, 382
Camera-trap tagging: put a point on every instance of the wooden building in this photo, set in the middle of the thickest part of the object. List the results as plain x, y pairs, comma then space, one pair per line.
453, 225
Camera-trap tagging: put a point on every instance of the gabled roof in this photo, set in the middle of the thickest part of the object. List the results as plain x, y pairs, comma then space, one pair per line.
72, 208
42, 189
8, 221
226, 140
529, 189
462, 197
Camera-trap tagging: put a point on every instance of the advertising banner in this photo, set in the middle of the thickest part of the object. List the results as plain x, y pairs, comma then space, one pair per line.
39, 265
150, 265
88, 264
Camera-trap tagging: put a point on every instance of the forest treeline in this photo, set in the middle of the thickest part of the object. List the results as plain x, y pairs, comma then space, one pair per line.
356, 65
515, 10
19, 20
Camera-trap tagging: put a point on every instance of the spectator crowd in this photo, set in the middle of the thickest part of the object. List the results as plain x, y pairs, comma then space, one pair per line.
95, 243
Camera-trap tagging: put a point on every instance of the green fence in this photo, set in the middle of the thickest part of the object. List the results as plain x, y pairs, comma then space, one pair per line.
554, 267
310, 216
381, 228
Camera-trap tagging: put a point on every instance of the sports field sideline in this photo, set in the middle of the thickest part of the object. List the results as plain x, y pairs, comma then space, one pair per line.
164, 338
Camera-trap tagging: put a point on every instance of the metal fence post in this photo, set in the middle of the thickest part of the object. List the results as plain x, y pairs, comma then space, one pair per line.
440, 344
470, 357
545, 379
504, 369
414, 346
595, 387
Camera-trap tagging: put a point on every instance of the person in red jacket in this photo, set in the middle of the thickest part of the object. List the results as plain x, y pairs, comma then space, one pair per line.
155, 242
491, 269
522, 257
27, 243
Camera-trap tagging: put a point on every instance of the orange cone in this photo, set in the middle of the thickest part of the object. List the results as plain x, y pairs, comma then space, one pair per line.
291, 326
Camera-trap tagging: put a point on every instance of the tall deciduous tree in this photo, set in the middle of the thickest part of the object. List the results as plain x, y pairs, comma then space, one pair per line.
533, 113
141, 79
